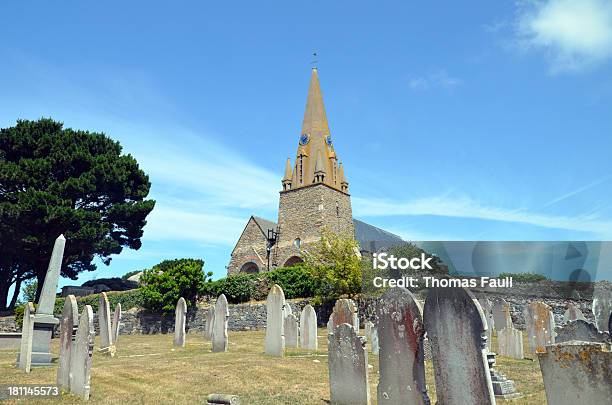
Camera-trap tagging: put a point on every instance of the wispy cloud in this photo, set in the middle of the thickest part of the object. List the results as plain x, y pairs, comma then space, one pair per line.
577, 191
465, 207
436, 79
574, 34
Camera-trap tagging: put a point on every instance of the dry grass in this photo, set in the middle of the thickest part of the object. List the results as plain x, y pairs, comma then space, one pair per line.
147, 371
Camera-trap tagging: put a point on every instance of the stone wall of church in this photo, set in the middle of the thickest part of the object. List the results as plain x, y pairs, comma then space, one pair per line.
251, 247
304, 212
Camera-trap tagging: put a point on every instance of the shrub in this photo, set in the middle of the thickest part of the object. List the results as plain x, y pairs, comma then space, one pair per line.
128, 299
129, 274
297, 281
166, 282
236, 287
524, 277
19, 311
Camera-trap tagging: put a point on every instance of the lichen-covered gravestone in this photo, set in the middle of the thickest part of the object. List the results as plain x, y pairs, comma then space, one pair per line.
219, 331
572, 313
576, 373
308, 328
180, 317
330, 324
81, 357
348, 367
275, 340
44, 321
104, 323
500, 311
210, 318
27, 334
292, 331
581, 330
70, 314
116, 323
401, 362
602, 307
345, 311
456, 329
540, 326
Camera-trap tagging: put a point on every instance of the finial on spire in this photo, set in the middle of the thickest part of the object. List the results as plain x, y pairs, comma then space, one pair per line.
315, 60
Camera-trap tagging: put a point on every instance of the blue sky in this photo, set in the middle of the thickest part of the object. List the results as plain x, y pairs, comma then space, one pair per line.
480, 120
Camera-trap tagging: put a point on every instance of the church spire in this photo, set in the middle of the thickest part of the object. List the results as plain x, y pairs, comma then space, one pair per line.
288, 175
316, 160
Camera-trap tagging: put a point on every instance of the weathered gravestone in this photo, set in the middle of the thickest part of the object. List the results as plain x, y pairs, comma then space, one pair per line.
367, 326
602, 307
24, 361
287, 310
374, 341
104, 324
44, 321
573, 313
401, 363
219, 331
292, 331
345, 311
456, 328
81, 356
116, 323
581, 330
510, 342
180, 317
308, 328
500, 313
210, 318
487, 309
70, 316
330, 324
540, 326
275, 340
348, 367
577, 373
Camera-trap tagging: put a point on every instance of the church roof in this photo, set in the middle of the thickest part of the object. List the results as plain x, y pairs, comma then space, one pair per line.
264, 224
372, 238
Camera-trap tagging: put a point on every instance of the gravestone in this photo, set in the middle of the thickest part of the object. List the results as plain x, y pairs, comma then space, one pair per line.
368, 325
487, 308
500, 313
24, 360
287, 310
70, 315
345, 311
44, 321
292, 331
540, 326
456, 328
572, 313
210, 318
374, 341
576, 373
401, 364
275, 340
510, 342
581, 330
330, 324
602, 307
348, 367
81, 356
104, 323
308, 328
116, 323
219, 331
180, 317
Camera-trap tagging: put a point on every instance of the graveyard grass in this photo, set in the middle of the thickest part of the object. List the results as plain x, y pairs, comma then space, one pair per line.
147, 370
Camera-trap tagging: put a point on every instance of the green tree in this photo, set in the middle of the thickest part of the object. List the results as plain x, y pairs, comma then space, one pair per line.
29, 291
166, 282
56, 181
335, 261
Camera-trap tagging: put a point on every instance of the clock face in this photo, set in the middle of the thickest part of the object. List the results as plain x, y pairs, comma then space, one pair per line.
304, 139
328, 140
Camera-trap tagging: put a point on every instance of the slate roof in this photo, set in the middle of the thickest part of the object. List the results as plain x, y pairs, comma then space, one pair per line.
264, 224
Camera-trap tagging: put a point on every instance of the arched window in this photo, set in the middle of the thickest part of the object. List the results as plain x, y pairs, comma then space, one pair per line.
292, 261
249, 267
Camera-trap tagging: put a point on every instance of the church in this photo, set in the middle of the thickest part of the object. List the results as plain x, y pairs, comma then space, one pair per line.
314, 195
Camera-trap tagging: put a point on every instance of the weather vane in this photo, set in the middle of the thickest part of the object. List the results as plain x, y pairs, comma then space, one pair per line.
314, 61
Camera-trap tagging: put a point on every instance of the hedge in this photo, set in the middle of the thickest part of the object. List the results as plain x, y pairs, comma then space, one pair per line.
128, 299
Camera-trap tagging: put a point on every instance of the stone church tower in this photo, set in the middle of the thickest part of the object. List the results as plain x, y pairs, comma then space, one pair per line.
314, 195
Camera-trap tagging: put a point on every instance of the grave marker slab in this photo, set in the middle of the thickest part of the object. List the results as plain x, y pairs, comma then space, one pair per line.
220, 341
116, 323
70, 315
572, 313
24, 360
510, 342
210, 318
104, 323
348, 367
345, 311
81, 356
180, 317
540, 326
308, 328
602, 307
456, 329
292, 331
275, 340
401, 363
500, 312
374, 342
576, 373
581, 330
